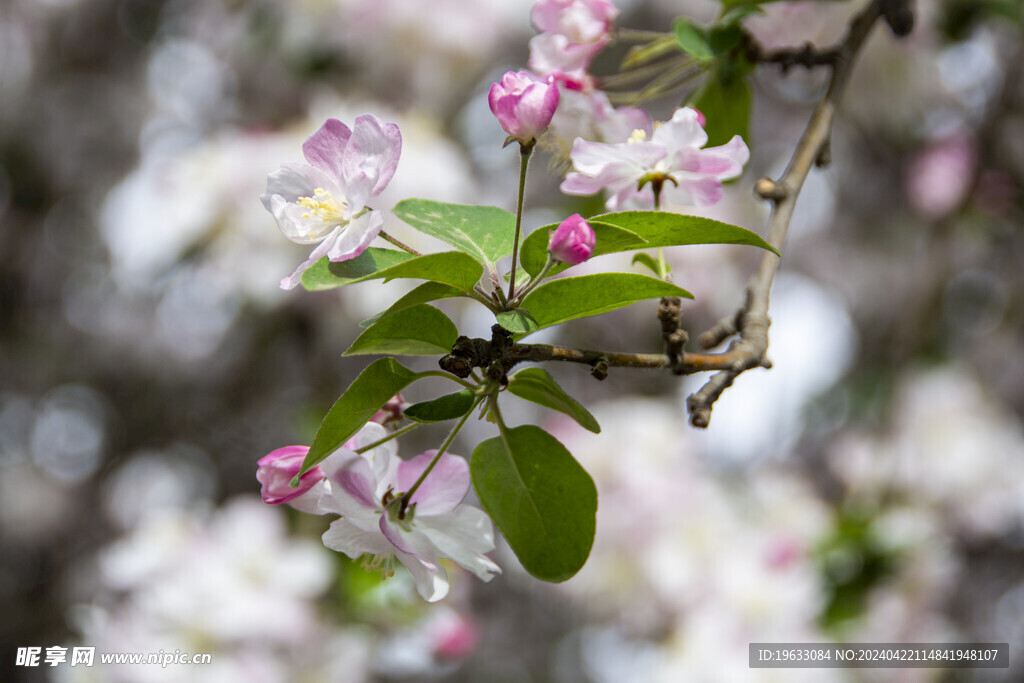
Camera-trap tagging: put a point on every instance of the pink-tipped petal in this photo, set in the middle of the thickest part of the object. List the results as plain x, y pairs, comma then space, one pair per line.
325, 148
355, 237
291, 281
443, 489
370, 159
702, 191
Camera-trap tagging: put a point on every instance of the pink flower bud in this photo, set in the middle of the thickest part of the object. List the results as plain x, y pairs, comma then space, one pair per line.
701, 119
573, 241
392, 411
523, 105
276, 470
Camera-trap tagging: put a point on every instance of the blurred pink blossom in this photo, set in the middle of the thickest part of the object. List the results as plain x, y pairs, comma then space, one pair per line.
939, 177
572, 32
523, 104
670, 155
453, 635
323, 201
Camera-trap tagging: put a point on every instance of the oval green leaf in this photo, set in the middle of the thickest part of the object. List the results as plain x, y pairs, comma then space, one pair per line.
448, 267
381, 380
663, 229
569, 298
417, 331
440, 409
483, 232
537, 385
517, 321
325, 274
543, 501
428, 291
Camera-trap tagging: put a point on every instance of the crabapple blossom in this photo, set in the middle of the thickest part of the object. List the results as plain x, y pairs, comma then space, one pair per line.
572, 241
366, 490
375, 522
668, 157
572, 32
324, 201
523, 104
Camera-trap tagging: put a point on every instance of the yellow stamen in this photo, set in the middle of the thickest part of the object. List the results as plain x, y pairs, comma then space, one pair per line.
323, 206
638, 135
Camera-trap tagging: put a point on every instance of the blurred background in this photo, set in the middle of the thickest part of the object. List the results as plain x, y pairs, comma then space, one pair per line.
869, 488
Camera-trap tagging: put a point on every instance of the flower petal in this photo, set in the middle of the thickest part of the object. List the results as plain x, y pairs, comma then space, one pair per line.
370, 160
356, 237
344, 537
352, 494
295, 278
699, 191
681, 131
443, 489
325, 148
431, 578
463, 535
292, 181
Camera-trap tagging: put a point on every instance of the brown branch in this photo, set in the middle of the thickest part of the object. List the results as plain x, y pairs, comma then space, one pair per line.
751, 320
747, 350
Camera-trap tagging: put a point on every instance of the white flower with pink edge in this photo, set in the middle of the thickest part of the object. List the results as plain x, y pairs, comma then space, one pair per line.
670, 157
323, 202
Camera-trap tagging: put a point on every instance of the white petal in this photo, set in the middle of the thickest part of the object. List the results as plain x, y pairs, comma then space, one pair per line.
345, 537
431, 578
680, 132
463, 535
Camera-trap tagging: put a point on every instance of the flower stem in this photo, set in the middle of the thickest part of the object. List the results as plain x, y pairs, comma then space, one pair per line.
662, 266
534, 281
389, 437
524, 160
446, 375
400, 245
407, 496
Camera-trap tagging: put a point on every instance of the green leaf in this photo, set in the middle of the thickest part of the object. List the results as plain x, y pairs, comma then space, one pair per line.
542, 500
724, 98
537, 385
448, 267
724, 38
569, 298
517, 321
663, 229
483, 232
692, 39
440, 409
381, 380
629, 230
326, 274
428, 291
416, 331
533, 253
646, 259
